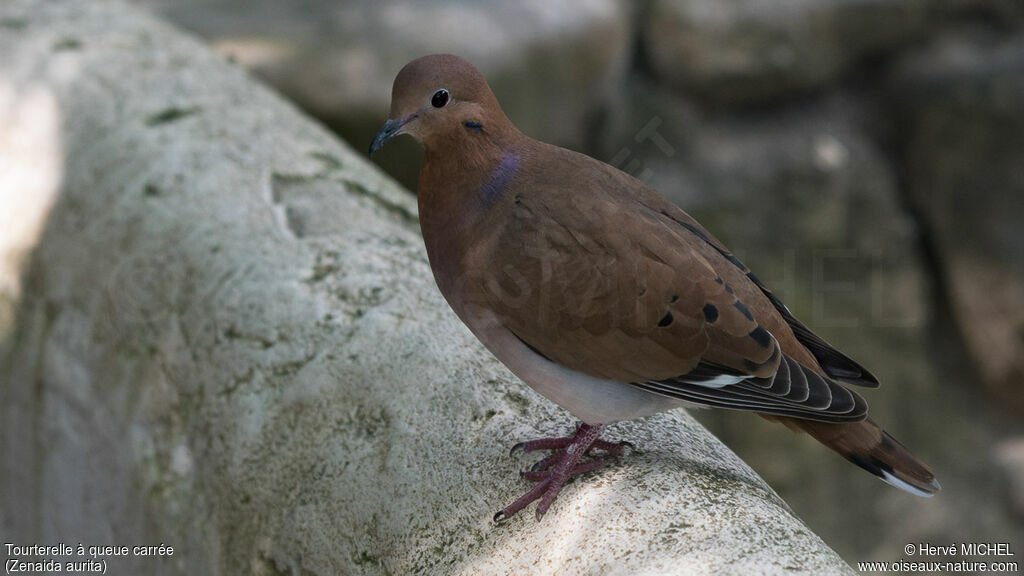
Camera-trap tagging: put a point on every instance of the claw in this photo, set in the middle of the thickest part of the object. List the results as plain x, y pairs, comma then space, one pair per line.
553, 471
544, 463
613, 448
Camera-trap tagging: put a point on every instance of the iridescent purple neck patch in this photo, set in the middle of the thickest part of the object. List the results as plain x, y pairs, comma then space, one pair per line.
500, 178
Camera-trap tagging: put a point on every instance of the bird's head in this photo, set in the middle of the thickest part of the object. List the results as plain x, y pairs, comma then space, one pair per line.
436, 96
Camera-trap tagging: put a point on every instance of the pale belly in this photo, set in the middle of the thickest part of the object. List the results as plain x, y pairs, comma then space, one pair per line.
592, 400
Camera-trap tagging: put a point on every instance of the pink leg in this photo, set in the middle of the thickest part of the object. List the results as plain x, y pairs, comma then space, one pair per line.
614, 448
541, 444
552, 472
581, 468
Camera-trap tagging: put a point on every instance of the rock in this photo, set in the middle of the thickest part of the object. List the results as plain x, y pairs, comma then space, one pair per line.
551, 64
961, 106
225, 338
736, 52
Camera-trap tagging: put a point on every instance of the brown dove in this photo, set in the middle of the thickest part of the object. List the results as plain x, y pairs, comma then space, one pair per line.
607, 298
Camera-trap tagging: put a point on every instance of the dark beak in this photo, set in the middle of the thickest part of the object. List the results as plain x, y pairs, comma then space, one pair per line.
390, 129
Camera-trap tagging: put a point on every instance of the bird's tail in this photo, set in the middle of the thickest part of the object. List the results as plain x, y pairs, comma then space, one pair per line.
865, 444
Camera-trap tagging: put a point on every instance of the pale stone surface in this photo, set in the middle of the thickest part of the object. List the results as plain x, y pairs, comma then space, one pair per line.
226, 339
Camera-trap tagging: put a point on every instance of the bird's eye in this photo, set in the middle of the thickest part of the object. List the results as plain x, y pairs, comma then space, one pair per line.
440, 98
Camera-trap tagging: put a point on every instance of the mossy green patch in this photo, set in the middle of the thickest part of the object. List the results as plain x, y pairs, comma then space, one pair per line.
168, 115
67, 44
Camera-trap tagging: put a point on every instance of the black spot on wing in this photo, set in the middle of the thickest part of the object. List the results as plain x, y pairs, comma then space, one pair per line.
710, 313
752, 367
834, 363
665, 320
743, 309
761, 336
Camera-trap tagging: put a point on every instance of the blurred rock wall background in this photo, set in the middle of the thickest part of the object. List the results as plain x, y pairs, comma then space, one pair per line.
864, 157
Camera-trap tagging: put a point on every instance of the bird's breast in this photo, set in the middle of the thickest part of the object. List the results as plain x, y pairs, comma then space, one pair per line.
462, 202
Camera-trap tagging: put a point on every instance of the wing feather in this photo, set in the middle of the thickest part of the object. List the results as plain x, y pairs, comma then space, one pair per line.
650, 304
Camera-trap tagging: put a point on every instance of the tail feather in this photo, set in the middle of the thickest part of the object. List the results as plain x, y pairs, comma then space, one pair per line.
865, 444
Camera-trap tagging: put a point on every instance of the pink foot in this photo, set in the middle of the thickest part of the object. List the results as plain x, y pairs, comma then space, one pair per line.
552, 472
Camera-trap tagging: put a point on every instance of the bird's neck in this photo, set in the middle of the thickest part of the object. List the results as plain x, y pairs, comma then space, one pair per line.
462, 179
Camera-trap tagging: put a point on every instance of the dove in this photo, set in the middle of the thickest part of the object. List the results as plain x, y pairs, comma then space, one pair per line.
605, 297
